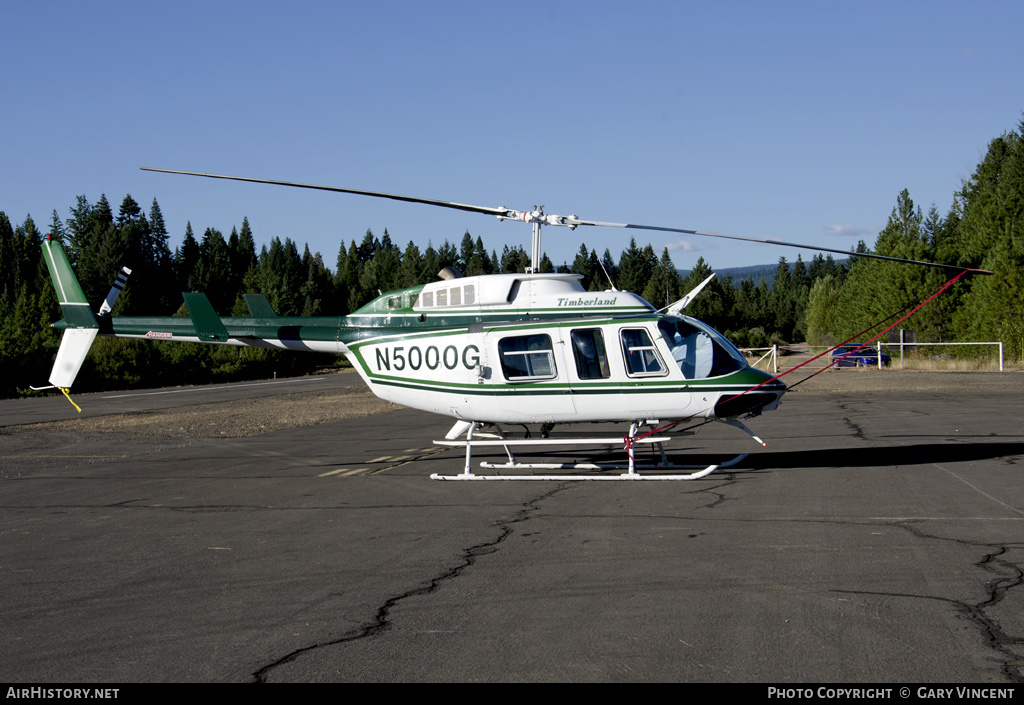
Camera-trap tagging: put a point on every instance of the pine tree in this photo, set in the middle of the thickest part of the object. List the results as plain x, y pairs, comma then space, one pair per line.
447, 256
711, 305
610, 272
185, 260
666, 286
465, 253
346, 278
630, 268
514, 260
244, 255
431, 265
479, 261
584, 265
161, 270
874, 290
410, 272
318, 290
991, 234
213, 271
367, 249
821, 319
9, 260
381, 273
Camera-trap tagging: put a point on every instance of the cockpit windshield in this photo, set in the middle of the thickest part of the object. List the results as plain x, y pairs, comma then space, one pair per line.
699, 350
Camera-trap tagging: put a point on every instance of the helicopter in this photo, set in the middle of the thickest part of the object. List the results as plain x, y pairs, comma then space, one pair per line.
495, 352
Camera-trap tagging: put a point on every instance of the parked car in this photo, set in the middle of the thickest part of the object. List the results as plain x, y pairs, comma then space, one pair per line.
866, 356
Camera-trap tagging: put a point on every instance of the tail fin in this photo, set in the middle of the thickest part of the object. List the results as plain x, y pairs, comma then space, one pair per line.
80, 325
259, 306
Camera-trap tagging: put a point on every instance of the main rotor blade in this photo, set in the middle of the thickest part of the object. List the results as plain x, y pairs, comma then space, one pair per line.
570, 221
336, 189
767, 241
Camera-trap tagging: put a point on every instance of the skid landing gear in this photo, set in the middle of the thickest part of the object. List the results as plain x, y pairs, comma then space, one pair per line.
598, 471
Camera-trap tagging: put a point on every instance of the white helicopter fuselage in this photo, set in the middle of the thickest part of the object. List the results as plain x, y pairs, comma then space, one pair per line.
541, 349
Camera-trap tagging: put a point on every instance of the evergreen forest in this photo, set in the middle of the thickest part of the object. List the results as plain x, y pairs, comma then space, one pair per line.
820, 300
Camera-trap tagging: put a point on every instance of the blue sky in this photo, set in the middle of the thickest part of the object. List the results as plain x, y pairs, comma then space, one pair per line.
797, 121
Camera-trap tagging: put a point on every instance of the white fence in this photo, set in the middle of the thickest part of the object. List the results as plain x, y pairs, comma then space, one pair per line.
902, 345
772, 354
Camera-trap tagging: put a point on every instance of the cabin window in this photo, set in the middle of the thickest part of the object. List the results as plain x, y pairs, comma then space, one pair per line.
456, 297
428, 299
589, 353
700, 353
469, 294
442, 297
527, 357
642, 359
412, 299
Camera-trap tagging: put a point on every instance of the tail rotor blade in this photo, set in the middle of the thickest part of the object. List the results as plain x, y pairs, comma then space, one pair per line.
115, 291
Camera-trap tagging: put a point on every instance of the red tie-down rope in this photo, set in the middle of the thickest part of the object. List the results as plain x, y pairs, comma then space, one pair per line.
630, 441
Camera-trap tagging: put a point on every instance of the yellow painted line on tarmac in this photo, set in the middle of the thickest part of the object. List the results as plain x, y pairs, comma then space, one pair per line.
26, 455
393, 461
343, 472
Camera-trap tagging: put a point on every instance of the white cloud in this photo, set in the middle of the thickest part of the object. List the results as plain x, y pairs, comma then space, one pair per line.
685, 246
848, 230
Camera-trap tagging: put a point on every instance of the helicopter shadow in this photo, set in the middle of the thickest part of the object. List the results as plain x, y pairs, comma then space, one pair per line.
818, 458
885, 456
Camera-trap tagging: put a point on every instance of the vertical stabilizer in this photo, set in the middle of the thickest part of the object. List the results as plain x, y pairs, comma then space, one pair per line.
74, 346
80, 325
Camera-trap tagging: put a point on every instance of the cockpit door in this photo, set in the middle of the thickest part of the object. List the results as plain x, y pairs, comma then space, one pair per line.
532, 371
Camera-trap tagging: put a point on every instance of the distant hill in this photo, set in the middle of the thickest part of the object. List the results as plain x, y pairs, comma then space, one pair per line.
754, 273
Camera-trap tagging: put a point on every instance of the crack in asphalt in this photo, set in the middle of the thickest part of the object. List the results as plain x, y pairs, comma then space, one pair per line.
997, 588
381, 620
995, 637
858, 430
728, 479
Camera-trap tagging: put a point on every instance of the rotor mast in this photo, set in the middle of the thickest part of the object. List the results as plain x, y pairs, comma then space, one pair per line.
538, 218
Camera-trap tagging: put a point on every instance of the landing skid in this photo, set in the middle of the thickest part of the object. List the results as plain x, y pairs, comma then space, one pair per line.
499, 439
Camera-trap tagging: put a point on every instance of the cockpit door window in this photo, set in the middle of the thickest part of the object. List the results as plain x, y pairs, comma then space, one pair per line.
642, 359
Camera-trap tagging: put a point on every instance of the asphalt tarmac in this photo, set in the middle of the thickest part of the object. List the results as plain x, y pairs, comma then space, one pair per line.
877, 539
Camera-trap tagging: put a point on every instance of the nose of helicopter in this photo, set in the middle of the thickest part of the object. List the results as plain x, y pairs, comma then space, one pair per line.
762, 394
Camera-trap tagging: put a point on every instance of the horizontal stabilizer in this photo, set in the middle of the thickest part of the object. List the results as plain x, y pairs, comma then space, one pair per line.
259, 306
205, 320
